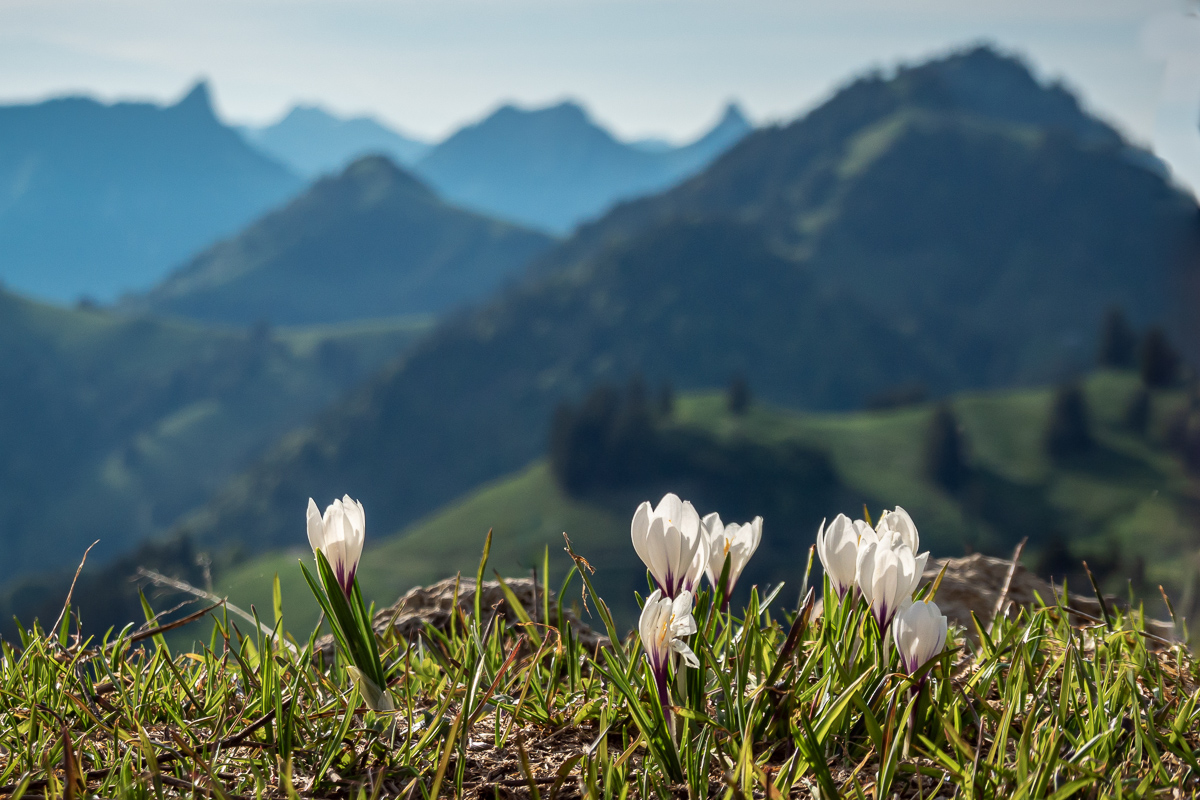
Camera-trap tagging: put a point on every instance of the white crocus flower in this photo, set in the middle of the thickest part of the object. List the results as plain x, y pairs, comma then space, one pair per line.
920, 634
737, 542
888, 574
837, 547
900, 523
670, 543
664, 620
339, 535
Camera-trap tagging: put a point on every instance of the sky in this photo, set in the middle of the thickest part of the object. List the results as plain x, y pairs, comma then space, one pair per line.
643, 67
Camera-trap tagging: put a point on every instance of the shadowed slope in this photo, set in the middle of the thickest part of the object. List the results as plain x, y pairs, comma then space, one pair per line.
371, 242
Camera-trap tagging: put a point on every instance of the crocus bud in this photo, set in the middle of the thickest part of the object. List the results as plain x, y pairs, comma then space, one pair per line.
339, 535
920, 634
837, 547
669, 541
664, 620
888, 574
737, 542
902, 525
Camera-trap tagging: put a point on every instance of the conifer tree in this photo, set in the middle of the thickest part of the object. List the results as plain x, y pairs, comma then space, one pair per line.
1068, 431
666, 400
945, 450
1159, 361
738, 398
1118, 342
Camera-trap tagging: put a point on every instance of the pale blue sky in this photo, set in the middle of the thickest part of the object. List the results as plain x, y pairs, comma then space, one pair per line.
650, 67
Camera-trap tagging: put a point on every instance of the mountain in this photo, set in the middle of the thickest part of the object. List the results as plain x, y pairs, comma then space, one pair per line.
370, 242
112, 426
99, 199
551, 168
957, 225
313, 142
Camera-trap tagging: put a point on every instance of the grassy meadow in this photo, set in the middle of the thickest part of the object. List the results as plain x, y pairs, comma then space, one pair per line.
1129, 497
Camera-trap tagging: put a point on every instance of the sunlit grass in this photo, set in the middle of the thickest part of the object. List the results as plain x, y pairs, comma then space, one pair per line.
785, 703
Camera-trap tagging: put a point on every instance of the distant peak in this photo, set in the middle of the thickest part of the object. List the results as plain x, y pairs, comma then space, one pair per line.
731, 127
981, 61
197, 100
377, 173
567, 107
302, 111
567, 110
734, 115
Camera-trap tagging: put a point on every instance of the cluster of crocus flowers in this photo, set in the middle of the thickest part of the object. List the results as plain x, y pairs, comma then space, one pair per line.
677, 547
883, 566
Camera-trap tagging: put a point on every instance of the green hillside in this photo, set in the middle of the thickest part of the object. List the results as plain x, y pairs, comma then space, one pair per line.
113, 426
1127, 500
957, 226
371, 241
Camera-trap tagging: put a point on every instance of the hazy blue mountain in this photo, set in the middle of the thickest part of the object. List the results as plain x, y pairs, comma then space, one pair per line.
314, 142
551, 168
97, 199
957, 225
371, 242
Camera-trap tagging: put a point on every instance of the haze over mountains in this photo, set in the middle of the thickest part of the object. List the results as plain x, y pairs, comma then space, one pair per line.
314, 142
956, 224
98, 199
553, 168
548, 168
112, 427
371, 242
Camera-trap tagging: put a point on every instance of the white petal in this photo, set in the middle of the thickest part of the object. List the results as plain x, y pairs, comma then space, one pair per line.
670, 507
356, 514
316, 527
689, 657
681, 606
865, 570
689, 521
330, 510
659, 558
639, 530
712, 526
648, 622
901, 523
753, 536
683, 623
698, 561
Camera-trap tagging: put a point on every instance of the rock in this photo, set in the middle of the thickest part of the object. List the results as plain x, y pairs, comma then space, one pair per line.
974, 583
434, 605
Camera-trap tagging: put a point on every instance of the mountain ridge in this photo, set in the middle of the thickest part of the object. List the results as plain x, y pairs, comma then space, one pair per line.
314, 142
99, 198
373, 241
554, 166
